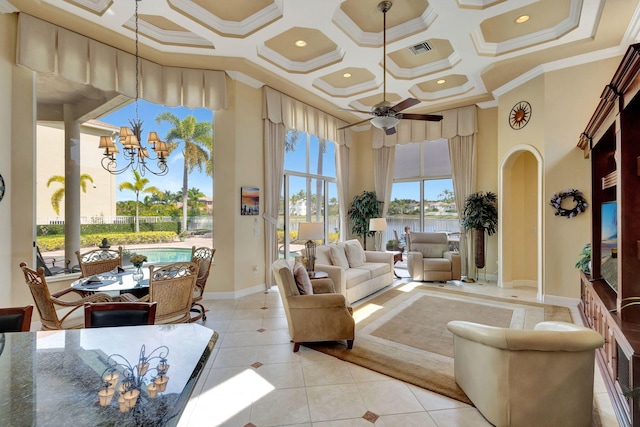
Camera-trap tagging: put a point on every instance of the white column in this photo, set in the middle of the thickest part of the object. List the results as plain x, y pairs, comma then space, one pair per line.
71, 183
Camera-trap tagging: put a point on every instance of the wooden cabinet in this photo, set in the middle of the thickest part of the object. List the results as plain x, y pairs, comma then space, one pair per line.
611, 141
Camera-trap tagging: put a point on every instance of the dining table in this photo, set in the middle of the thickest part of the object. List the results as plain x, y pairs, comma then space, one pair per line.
89, 377
120, 281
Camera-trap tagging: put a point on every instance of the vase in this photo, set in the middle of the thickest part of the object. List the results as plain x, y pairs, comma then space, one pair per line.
138, 274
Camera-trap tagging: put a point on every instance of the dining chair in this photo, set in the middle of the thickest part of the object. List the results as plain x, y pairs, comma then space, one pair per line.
16, 319
204, 258
109, 314
172, 287
47, 302
99, 261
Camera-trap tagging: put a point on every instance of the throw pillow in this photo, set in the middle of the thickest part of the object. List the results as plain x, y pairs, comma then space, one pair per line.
355, 253
302, 279
339, 257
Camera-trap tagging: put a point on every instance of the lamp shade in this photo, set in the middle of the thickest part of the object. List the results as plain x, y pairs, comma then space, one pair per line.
377, 224
311, 231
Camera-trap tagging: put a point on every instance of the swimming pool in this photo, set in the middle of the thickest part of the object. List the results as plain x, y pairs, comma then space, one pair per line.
164, 254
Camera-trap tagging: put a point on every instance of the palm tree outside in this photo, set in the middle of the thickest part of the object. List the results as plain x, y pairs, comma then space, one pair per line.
58, 195
196, 139
139, 185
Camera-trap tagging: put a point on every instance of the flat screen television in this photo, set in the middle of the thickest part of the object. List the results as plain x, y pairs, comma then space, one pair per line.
609, 244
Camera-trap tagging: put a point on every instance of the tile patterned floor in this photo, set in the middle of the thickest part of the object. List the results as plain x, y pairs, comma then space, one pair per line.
253, 379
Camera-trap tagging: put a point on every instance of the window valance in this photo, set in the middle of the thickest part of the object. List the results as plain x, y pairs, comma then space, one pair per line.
46, 48
294, 114
456, 122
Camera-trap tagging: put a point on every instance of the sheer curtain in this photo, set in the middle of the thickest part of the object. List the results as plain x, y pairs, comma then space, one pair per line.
281, 112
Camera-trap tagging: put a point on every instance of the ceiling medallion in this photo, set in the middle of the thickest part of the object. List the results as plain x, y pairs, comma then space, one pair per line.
520, 115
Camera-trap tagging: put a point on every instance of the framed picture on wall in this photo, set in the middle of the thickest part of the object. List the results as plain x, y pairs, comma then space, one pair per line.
249, 201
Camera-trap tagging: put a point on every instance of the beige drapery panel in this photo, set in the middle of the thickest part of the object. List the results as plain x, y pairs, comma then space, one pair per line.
274, 136
47, 48
457, 122
463, 157
383, 163
460, 127
293, 114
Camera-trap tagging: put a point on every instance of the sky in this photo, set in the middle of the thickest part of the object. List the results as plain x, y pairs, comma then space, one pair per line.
148, 112
295, 160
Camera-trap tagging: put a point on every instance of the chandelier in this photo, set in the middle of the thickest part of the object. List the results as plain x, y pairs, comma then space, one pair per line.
134, 154
134, 381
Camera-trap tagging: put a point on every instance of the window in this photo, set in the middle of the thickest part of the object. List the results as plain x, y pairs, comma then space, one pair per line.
309, 191
422, 194
107, 208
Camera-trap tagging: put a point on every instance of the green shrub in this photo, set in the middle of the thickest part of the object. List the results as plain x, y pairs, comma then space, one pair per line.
52, 243
58, 229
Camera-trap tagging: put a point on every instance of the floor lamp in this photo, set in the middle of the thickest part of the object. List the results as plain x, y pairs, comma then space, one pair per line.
378, 225
310, 231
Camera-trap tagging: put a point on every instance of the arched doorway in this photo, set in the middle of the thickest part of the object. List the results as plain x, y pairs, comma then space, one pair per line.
520, 211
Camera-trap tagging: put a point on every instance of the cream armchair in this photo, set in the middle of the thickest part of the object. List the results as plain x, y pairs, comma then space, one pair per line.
540, 377
429, 258
322, 316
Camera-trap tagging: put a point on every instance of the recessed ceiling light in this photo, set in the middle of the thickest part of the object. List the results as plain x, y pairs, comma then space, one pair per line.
522, 18
301, 43
346, 75
441, 81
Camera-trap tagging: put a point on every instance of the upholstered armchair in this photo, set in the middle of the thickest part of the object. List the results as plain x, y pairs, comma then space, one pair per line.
322, 315
429, 258
539, 377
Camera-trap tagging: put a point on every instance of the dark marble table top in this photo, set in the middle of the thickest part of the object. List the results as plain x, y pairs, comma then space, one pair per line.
52, 378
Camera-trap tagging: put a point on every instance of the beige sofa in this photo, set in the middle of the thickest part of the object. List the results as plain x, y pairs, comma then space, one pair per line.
356, 273
540, 377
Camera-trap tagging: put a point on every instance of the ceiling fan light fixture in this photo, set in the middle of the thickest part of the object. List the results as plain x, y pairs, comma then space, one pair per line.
384, 122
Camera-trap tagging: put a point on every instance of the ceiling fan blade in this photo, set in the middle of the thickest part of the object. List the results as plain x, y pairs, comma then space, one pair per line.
427, 117
356, 111
354, 124
409, 102
390, 131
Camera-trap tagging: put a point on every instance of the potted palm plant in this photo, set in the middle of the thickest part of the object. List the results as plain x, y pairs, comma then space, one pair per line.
480, 215
363, 207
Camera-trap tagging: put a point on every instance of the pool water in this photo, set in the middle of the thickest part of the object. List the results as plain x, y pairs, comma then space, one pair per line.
164, 254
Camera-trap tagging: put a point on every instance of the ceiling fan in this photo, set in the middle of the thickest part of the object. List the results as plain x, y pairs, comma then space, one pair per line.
386, 117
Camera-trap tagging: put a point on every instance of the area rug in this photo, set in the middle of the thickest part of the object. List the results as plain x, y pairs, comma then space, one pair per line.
403, 332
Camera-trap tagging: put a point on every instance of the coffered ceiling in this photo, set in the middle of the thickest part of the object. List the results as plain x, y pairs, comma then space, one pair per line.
446, 53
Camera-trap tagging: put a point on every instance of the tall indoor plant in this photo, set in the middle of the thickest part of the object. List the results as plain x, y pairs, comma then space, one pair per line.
480, 215
363, 207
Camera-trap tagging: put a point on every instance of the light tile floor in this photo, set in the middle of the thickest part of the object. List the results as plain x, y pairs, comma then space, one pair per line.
254, 379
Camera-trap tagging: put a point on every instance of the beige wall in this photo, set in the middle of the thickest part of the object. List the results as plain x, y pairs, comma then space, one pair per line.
562, 103
238, 162
487, 176
7, 52
100, 198
17, 210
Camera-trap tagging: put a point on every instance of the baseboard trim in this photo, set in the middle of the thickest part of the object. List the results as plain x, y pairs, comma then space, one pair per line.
234, 294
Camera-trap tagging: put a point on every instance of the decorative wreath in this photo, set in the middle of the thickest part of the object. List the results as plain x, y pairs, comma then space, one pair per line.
578, 199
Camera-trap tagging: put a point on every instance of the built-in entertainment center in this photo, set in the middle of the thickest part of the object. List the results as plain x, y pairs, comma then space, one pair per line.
611, 292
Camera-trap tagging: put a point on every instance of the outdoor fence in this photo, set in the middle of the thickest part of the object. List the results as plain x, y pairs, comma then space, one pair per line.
193, 222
